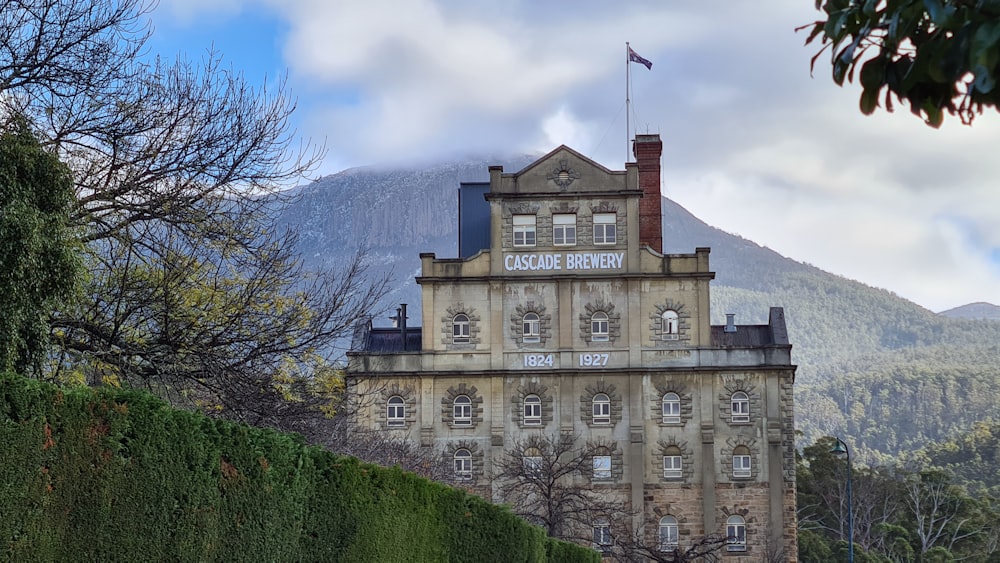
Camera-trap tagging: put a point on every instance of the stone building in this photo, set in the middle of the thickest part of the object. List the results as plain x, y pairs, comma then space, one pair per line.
563, 316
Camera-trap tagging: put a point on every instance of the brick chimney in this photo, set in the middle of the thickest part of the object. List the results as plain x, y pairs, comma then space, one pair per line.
647, 150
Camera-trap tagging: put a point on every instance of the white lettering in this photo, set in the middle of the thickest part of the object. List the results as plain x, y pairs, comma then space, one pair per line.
554, 261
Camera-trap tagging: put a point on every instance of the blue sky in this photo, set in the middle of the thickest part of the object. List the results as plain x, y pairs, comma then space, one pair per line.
752, 144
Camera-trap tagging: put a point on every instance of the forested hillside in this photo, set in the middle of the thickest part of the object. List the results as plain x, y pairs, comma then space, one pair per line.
881, 371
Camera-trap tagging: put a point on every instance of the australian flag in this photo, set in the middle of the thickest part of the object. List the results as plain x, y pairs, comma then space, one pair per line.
634, 57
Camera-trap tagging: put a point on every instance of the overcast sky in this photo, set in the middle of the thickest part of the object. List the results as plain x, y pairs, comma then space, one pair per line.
752, 144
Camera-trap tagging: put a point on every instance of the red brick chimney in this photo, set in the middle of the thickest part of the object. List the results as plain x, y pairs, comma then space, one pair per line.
647, 150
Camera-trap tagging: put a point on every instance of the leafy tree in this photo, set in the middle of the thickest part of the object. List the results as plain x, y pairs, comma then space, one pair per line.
38, 248
936, 55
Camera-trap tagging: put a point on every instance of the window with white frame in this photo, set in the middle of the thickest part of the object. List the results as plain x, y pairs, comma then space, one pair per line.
602, 467
741, 462
460, 326
531, 328
668, 533
463, 464
673, 463
669, 325
604, 228
740, 404
564, 229
395, 413
671, 408
736, 534
602, 409
602, 536
462, 411
599, 327
532, 462
532, 410
524, 230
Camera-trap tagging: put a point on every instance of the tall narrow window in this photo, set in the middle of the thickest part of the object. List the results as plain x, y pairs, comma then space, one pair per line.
602, 467
532, 462
671, 408
669, 327
396, 411
741, 462
599, 327
740, 404
532, 410
602, 409
462, 411
531, 328
673, 463
524, 230
602, 536
460, 328
604, 228
564, 229
463, 464
668, 533
736, 534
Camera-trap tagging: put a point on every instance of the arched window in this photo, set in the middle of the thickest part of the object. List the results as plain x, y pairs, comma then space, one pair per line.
669, 327
463, 464
460, 328
673, 463
741, 462
668, 533
599, 327
740, 404
462, 411
531, 328
396, 411
532, 410
532, 462
602, 409
736, 534
671, 408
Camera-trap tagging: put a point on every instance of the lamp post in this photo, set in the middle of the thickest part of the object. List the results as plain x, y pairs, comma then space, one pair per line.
839, 450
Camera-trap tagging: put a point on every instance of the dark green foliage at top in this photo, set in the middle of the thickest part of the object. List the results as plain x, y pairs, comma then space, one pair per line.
105, 475
39, 263
936, 55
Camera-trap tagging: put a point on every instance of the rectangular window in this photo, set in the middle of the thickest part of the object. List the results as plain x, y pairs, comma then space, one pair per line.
532, 465
672, 467
741, 466
524, 230
602, 467
602, 537
604, 228
463, 467
564, 229
602, 411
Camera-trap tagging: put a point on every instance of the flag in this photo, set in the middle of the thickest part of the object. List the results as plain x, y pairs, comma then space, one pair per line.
634, 57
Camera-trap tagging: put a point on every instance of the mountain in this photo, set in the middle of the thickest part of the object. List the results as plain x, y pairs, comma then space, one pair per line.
884, 373
979, 310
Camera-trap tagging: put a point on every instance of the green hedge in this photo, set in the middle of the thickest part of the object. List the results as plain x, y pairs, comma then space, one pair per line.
110, 475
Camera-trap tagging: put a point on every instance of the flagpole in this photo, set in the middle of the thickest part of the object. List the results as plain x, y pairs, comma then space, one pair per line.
628, 102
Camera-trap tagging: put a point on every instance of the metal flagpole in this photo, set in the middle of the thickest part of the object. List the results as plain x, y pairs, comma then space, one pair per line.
628, 102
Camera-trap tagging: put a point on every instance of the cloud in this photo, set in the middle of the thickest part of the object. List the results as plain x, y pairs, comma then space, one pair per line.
752, 143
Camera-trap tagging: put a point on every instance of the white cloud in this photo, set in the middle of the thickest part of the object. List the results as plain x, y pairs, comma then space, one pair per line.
752, 143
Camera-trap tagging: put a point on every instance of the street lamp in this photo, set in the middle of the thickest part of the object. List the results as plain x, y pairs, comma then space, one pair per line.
839, 450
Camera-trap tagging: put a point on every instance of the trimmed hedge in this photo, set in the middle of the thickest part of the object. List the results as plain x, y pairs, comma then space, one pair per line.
109, 475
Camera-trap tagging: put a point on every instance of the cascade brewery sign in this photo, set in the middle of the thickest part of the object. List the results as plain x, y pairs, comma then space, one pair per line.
565, 261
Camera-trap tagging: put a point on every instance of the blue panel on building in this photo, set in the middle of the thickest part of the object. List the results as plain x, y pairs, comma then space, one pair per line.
473, 218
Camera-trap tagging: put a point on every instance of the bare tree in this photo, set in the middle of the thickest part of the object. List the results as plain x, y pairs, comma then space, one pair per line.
179, 172
547, 480
943, 515
635, 546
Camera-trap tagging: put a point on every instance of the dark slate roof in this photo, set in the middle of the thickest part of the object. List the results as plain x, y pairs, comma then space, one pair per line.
384, 340
753, 336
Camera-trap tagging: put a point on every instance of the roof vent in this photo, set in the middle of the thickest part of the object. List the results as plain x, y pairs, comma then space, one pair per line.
730, 327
